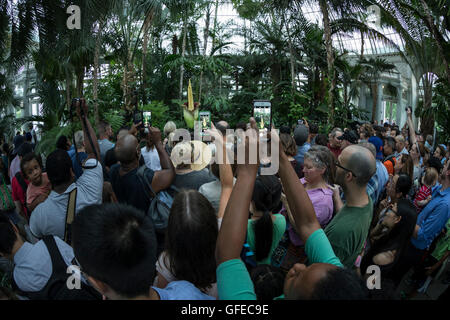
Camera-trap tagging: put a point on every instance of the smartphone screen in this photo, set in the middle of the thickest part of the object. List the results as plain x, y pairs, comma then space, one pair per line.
205, 120
147, 119
262, 112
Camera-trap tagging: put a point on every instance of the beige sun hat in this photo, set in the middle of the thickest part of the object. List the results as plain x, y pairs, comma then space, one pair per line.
198, 158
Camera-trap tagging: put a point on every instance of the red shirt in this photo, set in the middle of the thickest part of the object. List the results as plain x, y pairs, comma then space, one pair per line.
18, 194
423, 193
336, 151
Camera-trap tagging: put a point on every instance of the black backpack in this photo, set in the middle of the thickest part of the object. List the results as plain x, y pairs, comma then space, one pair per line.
56, 287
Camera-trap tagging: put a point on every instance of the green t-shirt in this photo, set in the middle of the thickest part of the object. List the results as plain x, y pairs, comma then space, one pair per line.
233, 279
279, 227
348, 231
443, 245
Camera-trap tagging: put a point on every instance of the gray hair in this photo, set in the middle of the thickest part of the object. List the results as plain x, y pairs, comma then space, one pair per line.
79, 139
335, 130
169, 127
322, 157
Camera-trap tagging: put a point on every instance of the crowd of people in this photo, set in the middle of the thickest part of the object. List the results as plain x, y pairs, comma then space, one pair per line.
141, 214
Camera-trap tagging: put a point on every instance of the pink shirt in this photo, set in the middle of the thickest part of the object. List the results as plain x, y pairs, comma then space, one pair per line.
322, 201
33, 192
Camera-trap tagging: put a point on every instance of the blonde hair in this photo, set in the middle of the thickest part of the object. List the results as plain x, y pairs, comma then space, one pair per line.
430, 177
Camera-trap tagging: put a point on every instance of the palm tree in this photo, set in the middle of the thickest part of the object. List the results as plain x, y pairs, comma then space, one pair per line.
373, 68
422, 51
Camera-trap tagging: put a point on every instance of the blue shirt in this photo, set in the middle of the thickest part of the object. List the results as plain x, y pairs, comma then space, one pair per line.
181, 290
383, 177
71, 151
372, 188
432, 219
77, 169
33, 264
301, 150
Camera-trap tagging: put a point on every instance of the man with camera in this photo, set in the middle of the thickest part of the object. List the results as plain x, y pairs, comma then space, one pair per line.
49, 217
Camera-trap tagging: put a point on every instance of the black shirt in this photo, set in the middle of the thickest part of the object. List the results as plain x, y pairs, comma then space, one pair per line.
193, 180
129, 189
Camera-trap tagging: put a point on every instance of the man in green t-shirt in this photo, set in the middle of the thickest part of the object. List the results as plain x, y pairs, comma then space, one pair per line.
348, 230
324, 278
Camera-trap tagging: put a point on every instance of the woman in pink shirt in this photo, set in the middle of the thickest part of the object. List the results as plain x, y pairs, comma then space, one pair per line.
319, 173
39, 187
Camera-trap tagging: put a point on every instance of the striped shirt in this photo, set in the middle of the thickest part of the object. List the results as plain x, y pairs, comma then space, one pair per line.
423, 194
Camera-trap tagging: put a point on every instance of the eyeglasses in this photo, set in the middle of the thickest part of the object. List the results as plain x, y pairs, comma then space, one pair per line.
338, 165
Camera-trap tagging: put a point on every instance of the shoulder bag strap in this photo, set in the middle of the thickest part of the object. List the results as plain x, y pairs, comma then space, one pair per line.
70, 215
58, 264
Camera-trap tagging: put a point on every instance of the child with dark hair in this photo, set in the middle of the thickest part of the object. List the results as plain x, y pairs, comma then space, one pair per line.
268, 281
40, 186
265, 229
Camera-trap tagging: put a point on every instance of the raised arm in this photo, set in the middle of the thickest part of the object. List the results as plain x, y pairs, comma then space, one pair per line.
226, 180
91, 143
299, 203
234, 225
163, 178
412, 131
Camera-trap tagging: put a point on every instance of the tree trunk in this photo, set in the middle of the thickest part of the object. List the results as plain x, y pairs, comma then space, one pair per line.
362, 46
291, 58
68, 94
427, 123
148, 21
330, 59
98, 44
436, 37
374, 100
205, 47
80, 80
183, 52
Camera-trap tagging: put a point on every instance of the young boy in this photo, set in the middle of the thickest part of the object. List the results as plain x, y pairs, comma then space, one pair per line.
424, 195
39, 187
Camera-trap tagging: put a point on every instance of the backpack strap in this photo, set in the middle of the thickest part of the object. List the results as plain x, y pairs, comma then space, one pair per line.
144, 180
70, 215
59, 267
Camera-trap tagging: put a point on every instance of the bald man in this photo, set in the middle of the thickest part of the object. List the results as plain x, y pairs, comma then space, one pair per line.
126, 184
348, 230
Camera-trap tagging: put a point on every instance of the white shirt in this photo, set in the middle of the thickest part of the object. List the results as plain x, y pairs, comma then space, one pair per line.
49, 217
151, 158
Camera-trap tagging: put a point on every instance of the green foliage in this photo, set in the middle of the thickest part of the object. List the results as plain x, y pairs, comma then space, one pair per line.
441, 109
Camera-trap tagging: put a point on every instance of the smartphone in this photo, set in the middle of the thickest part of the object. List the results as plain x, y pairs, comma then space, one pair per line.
137, 116
205, 121
147, 119
262, 112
